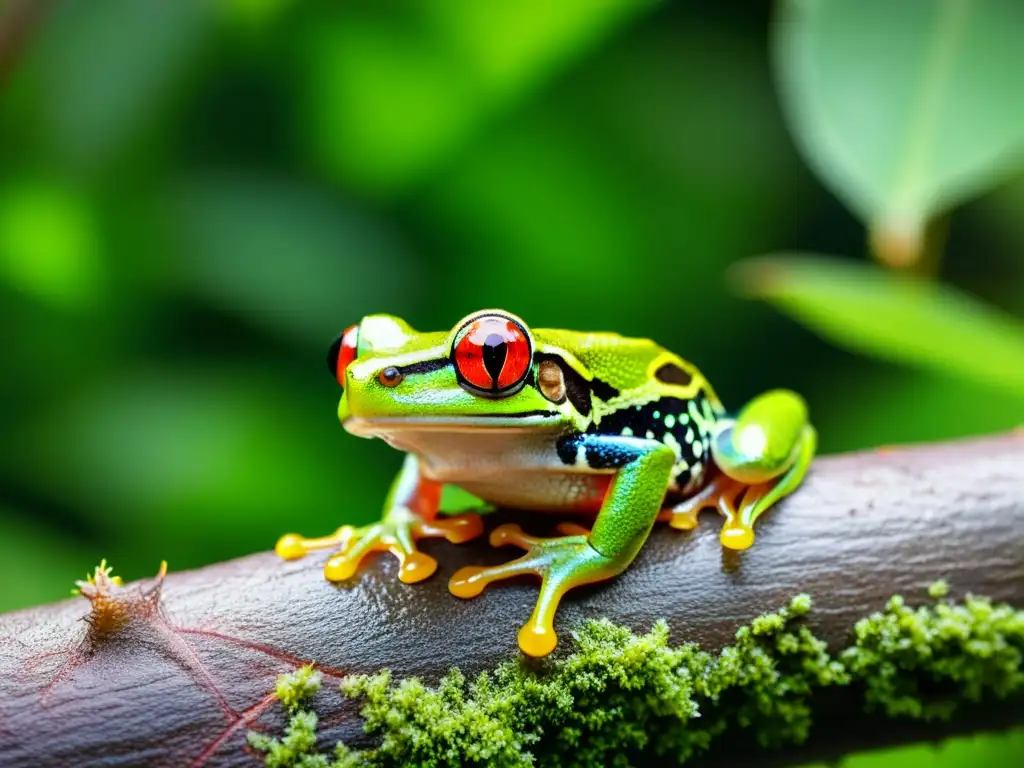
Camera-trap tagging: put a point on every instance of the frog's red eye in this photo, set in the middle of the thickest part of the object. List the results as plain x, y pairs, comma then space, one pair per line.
343, 352
492, 355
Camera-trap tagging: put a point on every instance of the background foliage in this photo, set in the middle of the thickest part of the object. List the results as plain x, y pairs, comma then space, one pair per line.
196, 196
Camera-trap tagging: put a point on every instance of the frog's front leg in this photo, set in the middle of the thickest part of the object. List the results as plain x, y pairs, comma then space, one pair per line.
409, 514
620, 530
762, 456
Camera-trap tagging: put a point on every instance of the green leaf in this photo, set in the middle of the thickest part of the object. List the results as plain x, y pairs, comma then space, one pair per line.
391, 91
891, 316
961, 752
289, 257
38, 563
903, 109
626, 152
50, 245
894, 406
222, 460
102, 72
455, 500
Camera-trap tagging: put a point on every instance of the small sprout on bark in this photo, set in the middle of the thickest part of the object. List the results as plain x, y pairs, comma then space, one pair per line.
114, 606
100, 578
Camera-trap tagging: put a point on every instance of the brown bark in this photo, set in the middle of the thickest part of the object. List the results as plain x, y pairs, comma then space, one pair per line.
180, 679
18, 20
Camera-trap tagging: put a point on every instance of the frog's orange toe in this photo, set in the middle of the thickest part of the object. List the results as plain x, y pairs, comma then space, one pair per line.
290, 547
464, 528
508, 533
737, 537
416, 566
572, 529
537, 639
467, 582
340, 568
684, 521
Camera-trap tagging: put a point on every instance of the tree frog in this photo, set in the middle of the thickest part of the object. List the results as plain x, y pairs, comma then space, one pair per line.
554, 421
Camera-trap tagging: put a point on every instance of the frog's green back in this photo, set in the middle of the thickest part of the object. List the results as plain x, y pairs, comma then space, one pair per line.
622, 362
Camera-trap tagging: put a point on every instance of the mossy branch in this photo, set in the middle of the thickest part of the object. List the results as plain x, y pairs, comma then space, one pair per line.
178, 671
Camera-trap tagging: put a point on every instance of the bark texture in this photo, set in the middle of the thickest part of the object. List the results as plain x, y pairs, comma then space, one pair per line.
180, 678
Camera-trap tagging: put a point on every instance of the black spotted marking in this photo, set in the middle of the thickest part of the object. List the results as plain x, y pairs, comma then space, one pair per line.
608, 453
600, 451
673, 419
670, 373
566, 447
426, 366
577, 388
603, 390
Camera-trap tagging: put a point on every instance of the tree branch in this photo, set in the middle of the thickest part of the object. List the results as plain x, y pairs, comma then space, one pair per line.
178, 676
18, 20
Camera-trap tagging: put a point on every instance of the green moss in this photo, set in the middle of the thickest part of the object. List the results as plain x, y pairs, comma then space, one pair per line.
296, 688
620, 695
938, 589
924, 662
297, 747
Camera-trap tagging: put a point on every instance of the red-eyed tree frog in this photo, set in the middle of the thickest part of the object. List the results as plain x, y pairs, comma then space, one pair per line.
552, 421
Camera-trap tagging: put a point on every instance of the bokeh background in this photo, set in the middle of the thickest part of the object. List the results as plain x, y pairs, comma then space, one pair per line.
197, 196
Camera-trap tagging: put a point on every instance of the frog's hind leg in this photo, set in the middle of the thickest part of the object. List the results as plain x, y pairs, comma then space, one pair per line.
763, 455
721, 493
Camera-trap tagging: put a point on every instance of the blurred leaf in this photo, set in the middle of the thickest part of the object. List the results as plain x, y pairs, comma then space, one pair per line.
37, 563
855, 409
455, 500
49, 244
253, 15
998, 219
903, 109
105, 68
290, 258
512, 46
198, 466
988, 749
391, 91
609, 206
892, 317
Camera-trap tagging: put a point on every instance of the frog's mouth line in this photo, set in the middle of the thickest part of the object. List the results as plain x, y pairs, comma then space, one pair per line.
371, 426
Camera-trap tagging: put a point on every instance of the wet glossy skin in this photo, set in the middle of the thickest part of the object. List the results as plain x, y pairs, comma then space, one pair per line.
551, 420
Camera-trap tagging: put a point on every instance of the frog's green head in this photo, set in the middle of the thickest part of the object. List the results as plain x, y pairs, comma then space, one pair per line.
481, 374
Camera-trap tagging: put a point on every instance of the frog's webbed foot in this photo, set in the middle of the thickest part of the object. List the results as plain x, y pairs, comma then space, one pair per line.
397, 533
562, 563
735, 501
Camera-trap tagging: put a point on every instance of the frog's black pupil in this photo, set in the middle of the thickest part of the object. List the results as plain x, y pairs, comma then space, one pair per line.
495, 349
391, 373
